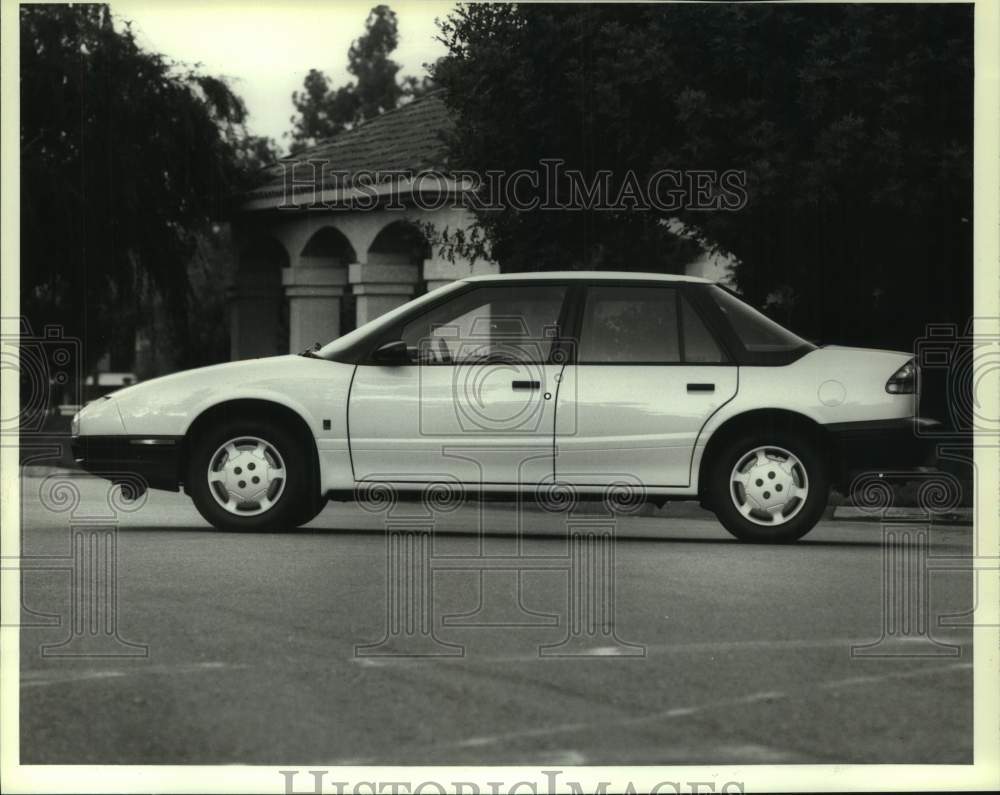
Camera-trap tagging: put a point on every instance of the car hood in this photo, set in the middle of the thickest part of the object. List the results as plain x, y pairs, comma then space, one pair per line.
245, 369
315, 389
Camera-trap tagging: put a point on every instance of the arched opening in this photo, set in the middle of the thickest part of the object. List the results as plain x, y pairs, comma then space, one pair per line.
262, 254
399, 243
328, 247
393, 272
258, 319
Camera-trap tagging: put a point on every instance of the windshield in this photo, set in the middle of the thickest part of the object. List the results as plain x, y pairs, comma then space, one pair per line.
755, 330
331, 349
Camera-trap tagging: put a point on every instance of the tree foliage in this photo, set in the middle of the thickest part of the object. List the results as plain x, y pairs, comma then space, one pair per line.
125, 158
323, 111
853, 124
211, 269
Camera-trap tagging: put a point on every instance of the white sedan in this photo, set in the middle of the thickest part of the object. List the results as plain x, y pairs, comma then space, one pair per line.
664, 387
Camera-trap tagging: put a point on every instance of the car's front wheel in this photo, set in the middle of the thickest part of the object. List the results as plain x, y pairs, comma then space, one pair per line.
250, 476
769, 487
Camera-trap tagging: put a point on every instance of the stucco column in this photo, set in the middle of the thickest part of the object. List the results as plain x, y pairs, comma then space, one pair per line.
314, 297
380, 288
254, 314
439, 272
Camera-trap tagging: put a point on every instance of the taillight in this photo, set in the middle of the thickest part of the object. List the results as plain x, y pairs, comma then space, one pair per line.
903, 381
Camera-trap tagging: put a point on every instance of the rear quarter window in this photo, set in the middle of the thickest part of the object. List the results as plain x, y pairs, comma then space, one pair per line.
763, 340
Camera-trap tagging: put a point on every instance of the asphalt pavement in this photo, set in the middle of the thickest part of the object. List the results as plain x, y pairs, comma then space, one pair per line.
482, 633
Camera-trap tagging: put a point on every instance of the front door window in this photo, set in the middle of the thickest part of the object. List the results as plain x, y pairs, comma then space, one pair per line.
488, 324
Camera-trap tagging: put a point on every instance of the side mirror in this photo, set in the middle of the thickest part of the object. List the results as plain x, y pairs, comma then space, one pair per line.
392, 354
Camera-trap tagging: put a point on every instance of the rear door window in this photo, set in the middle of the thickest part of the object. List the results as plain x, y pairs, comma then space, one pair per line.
644, 324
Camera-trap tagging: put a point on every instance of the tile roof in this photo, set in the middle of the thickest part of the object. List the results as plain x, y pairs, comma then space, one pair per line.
408, 138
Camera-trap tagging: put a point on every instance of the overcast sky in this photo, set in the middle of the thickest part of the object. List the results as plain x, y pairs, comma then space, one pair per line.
267, 48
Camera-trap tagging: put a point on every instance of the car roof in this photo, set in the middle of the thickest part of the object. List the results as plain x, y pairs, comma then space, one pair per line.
587, 276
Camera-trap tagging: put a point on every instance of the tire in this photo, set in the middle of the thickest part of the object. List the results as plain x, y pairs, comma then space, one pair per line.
310, 511
278, 500
757, 482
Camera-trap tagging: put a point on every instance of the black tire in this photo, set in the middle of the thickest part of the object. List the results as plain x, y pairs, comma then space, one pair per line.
295, 499
310, 511
802, 518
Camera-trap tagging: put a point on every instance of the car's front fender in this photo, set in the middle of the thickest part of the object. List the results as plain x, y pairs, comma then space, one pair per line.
315, 389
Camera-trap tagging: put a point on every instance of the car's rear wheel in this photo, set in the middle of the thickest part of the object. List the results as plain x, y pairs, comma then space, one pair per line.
769, 487
245, 475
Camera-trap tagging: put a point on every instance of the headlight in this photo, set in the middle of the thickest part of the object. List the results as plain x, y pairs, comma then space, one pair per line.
903, 381
74, 425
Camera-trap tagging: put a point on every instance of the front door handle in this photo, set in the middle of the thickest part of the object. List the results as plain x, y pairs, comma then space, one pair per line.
525, 385
701, 387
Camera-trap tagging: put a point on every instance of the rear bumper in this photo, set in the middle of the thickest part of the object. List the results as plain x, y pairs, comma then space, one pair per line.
884, 445
155, 459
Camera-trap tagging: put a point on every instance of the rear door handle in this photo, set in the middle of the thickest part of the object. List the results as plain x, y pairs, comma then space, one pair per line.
701, 387
525, 385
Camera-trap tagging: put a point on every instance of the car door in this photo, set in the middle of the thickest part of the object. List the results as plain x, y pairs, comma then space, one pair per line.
646, 376
476, 402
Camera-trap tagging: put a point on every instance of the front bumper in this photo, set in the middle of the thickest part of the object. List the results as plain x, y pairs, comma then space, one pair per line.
154, 459
884, 445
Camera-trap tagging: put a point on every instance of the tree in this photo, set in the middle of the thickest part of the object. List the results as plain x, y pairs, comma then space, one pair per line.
852, 124
126, 157
211, 269
323, 112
